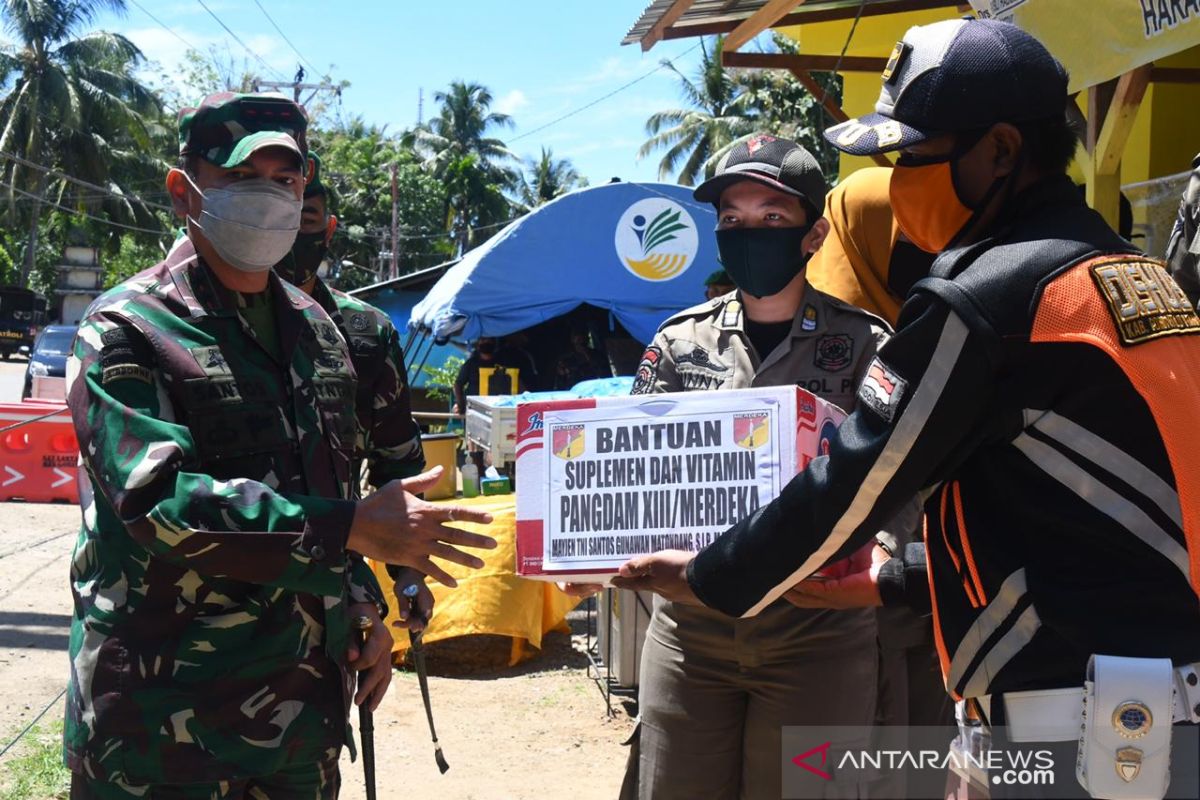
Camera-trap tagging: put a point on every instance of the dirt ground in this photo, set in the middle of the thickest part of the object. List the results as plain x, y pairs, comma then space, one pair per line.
538, 730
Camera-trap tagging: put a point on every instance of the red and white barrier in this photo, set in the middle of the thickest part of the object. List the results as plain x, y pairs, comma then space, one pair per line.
38, 460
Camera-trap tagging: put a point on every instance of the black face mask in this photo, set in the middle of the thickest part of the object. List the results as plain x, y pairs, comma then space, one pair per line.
908, 265
300, 266
762, 261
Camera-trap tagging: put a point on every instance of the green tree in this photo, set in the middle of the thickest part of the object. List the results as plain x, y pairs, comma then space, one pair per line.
457, 146
719, 111
199, 74
548, 177
357, 159
784, 107
72, 101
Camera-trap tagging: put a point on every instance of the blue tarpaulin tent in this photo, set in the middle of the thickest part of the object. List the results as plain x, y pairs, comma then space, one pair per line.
639, 250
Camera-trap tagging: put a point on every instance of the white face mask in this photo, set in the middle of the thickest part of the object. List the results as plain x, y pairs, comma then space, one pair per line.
251, 223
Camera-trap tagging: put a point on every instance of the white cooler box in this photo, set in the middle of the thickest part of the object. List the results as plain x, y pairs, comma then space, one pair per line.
492, 427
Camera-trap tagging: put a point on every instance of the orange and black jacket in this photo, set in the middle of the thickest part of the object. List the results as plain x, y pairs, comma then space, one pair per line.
1042, 393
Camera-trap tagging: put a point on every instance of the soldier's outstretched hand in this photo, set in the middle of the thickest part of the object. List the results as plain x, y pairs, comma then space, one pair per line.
395, 526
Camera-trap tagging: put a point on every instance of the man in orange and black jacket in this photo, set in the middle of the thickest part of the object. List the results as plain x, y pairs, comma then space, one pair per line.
1041, 393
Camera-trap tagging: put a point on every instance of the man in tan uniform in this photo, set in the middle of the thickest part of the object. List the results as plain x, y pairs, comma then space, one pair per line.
715, 691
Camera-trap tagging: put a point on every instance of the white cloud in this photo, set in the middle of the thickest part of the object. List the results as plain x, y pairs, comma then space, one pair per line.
161, 46
512, 102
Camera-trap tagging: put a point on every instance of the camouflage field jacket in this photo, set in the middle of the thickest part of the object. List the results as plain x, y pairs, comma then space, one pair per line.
388, 445
211, 577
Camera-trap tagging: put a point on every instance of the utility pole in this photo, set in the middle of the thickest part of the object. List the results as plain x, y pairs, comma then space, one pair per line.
395, 271
420, 104
297, 85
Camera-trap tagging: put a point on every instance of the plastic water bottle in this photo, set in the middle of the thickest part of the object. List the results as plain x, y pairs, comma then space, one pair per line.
470, 479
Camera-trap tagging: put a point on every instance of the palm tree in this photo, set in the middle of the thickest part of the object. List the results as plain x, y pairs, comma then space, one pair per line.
547, 178
72, 103
473, 165
719, 113
785, 108
461, 129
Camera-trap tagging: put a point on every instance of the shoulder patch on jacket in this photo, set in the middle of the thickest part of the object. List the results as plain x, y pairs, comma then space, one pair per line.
120, 346
647, 371
1144, 300
882, 389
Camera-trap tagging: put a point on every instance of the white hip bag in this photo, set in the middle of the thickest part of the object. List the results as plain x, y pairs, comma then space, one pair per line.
1125, 738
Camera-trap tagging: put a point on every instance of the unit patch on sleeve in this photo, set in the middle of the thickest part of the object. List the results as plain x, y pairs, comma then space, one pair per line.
882, 389
1144, 299
647, 371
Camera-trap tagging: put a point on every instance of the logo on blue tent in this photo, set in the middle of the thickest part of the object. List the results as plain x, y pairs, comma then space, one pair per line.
656, 239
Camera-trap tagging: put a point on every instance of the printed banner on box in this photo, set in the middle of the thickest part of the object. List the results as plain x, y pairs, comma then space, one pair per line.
622, 481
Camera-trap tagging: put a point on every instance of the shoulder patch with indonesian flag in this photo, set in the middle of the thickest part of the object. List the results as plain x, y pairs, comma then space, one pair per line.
882, 389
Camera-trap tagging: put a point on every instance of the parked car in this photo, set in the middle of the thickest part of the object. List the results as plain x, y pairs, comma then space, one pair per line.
48, 359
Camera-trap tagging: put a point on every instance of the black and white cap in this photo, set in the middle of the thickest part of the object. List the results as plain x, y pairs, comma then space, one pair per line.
780, 164
955, 76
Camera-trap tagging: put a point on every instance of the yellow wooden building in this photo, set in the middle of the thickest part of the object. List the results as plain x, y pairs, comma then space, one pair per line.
1137, 75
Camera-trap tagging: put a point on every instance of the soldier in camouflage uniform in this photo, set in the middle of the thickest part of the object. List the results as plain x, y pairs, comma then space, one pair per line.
388, 442
214, 574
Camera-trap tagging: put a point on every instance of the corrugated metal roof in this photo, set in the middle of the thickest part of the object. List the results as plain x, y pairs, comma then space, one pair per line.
706, 17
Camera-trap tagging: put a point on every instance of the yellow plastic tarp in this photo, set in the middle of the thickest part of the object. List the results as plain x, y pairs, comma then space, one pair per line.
491, 600
1097, 40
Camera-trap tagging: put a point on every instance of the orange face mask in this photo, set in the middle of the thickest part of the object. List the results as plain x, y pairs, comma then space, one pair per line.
926, 205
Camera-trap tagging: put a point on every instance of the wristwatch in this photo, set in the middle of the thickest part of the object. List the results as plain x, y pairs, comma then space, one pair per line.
887, 543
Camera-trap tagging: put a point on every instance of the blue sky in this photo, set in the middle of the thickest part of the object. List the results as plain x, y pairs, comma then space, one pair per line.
541, 59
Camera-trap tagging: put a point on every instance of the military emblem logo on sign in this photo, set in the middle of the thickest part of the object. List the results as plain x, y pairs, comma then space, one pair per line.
567, 441
751, 431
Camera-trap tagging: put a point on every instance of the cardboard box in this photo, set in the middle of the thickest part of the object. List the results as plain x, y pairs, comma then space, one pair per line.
605, 479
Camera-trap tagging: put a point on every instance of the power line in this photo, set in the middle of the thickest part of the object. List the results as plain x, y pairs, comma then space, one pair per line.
85, 184
838, 64
598, 100
245, 46
162, 25
77, 212
279, 30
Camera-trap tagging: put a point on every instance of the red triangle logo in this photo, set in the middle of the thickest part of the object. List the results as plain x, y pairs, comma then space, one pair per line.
801, 760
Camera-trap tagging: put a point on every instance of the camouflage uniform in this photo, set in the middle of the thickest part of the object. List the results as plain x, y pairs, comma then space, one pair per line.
388, 444
211, 577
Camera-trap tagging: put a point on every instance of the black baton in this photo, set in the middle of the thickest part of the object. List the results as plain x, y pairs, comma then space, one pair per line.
418, 652
366, 720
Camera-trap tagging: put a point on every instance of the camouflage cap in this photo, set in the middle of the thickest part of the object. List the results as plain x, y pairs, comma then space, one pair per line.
315, 188
227, 127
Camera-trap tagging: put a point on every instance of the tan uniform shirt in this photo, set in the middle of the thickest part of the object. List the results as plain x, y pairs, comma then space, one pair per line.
706, 347
716, 691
